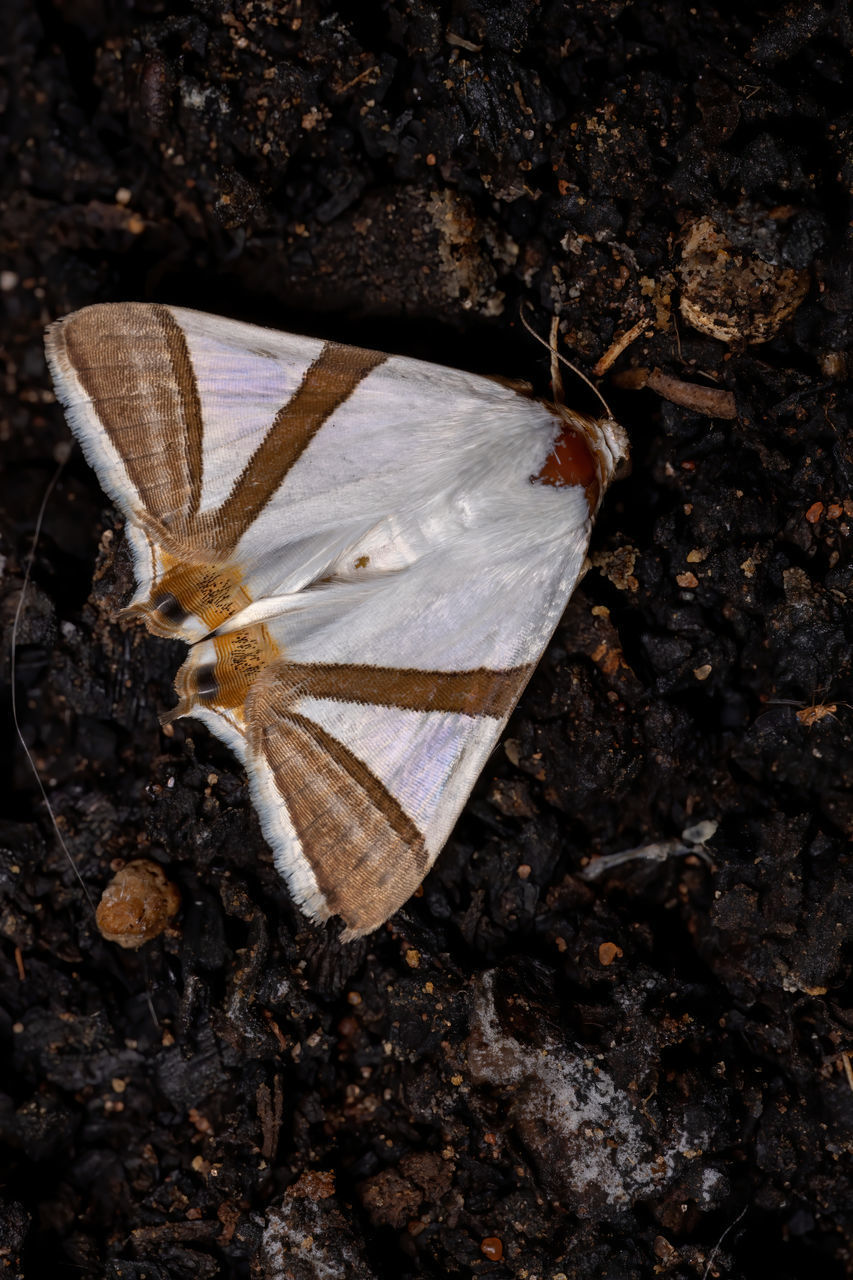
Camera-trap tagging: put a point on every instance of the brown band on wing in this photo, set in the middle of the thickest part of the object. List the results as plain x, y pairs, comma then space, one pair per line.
130, 363
190, 400
328, 382
365, 853
477, 692
368, 783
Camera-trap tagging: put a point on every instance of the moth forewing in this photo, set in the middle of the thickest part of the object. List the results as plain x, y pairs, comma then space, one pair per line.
366, 553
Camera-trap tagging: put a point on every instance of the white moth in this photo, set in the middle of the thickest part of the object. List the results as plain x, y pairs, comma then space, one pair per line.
366, 555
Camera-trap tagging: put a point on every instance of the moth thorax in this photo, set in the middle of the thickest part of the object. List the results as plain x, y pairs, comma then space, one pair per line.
220, 671
586, 452
211, 592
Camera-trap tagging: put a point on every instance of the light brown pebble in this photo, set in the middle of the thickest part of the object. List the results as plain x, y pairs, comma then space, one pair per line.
137, 904
492, 1248
608, 952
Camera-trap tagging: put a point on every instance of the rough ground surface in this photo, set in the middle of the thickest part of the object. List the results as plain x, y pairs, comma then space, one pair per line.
527, 1073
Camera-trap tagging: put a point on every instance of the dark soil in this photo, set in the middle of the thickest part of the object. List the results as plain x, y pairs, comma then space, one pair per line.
526, 1073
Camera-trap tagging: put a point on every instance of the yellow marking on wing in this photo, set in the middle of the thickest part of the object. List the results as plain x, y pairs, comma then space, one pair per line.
224, 683
208, 591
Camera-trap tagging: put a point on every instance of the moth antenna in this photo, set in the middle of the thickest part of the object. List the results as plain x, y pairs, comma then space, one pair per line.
556, 375
555, 356
63, 458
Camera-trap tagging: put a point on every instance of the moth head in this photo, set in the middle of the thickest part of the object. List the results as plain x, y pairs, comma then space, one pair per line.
590, 452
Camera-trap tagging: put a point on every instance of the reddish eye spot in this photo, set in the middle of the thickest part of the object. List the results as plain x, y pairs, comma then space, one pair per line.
569, 462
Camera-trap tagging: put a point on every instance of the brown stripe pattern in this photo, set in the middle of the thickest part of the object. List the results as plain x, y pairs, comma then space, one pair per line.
366, 853
327, 384
190, 405
477, 692
132, 360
